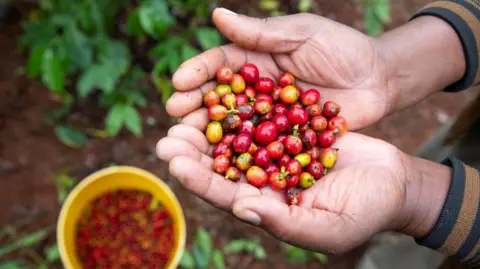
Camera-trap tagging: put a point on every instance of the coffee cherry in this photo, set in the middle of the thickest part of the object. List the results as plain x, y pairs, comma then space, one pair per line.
224, 75
262, 157
283, 161
271, 168
266, 117
264, 97
312, 110
315, 168
237, 84
253, 149
250, 93
280, 109
220, 164
289, 95
338, 122
286, 79
281, 138
242, 99
265, 85
303, 158
217, 112
293, 144
298, 116
309, 138
262, 107
211, 98
330, 109
282, 123
275, 150
327, 138
214, 132
293, 196
222, 149
328, 157
293, 167
250, 73
231, 123
242, 143
306, 180
299, 90
244, 161
292, 180
245, 111
278, 181
229, 100
319, 123
314, 153
276, 93
310, 97
257, 177
228, 139
233, 174
265, 133
222, 89
246, 127
296, 105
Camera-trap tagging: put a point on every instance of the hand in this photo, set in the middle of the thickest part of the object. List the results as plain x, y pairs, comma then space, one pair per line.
344, 64
373, 187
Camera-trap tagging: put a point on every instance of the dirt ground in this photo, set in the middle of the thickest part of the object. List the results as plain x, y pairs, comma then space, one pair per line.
31, 156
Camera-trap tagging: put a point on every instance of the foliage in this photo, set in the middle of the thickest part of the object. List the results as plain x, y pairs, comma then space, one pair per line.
297, 255
83, 49
204, 255
377, 13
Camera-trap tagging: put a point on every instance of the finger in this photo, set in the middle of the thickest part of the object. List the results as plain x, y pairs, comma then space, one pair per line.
208, 185
182, 103
273, 35
192, 135
301, 226
202, 68
170, 147
198, 119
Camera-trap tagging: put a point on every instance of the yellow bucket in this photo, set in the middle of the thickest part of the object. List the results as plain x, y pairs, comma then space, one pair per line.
109, 179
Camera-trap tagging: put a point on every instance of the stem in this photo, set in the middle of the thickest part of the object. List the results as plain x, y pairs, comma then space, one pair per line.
232, 110
295, 130
325, 171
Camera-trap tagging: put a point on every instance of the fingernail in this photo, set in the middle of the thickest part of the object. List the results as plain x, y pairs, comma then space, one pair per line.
228, 11
249, 216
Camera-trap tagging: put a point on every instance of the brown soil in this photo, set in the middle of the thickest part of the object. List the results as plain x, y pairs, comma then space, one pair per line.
31, 156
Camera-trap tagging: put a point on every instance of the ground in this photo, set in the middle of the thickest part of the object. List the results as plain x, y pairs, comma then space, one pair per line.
31, 156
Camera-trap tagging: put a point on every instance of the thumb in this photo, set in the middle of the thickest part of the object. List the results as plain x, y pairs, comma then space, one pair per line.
313, 229
274, 34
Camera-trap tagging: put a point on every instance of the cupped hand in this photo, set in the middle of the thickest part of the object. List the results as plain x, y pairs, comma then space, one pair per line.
363, 194
343, 64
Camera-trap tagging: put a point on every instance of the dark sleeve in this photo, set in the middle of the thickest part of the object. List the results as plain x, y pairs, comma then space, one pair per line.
464, 17
457, 230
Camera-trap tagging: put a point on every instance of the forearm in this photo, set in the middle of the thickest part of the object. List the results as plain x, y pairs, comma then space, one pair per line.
423, 56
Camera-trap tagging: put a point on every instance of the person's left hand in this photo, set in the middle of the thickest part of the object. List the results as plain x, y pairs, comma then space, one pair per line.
365, 193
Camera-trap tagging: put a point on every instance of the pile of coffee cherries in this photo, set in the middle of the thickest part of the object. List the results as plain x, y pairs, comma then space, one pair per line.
273, 134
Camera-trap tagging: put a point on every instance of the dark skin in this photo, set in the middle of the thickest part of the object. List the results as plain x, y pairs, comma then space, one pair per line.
374, 187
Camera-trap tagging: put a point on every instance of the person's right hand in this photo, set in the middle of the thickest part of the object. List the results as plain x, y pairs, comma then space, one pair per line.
342, 63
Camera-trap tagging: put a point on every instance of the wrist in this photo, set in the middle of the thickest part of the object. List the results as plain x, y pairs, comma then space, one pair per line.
426, 184
422, 57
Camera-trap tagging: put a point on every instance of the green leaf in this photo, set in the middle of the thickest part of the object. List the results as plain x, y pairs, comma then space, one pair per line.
133, 120
52, 253
134, 27
208, 37
155, 17
52, 72
26, 241
218, 259
115, 54
115, 119
260, 253
373, 26
204, 241
70, 137
161, 66
13, 264
34, 64
103, 76
188, 52
137, 98
165, 47
187, 261
304, 5
269, 4
64, 184
236, 246
382, 10
296, 255
77, 47
174, 62
320, 257
201, 259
